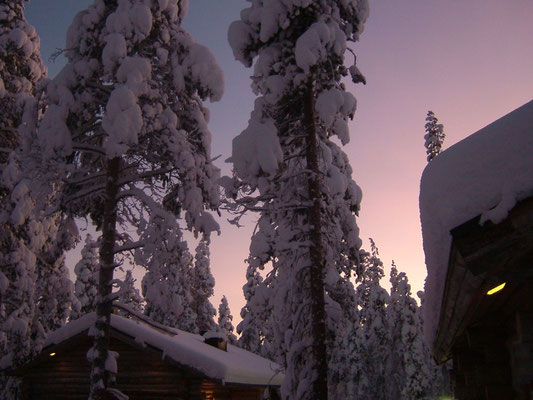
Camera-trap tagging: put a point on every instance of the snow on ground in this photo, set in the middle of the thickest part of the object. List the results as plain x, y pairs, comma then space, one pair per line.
234, 366
485, 174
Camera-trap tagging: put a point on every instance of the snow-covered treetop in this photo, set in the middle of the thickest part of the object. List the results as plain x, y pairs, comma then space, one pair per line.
293, 44
21, 66
292, 41
434, 136
485, 174
21, 69
133, 88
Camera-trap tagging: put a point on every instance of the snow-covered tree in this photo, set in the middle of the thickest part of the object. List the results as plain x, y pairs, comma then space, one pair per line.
85, 286
287, 167
408, 374
166, 285
440, 375
253, 324
129, 295
202, 288
126, 131
21, 70
434, 136
225, 320
374, 336
54, 291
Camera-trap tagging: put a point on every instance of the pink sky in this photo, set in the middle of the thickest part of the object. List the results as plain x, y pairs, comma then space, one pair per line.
470, 61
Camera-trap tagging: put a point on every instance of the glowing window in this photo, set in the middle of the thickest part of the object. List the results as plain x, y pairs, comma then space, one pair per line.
496, 289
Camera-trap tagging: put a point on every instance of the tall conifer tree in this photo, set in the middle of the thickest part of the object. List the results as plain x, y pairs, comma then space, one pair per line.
21, 235
305, 194
408, 372
374, 340
127, 134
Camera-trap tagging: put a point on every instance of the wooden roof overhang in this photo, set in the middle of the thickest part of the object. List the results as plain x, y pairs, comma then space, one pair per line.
481, 257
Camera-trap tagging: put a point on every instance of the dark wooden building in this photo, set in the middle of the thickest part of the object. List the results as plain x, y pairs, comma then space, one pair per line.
490, 336
480, 279
152, 364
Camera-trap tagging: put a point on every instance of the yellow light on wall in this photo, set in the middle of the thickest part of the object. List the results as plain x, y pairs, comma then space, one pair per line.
496, 289
52, 354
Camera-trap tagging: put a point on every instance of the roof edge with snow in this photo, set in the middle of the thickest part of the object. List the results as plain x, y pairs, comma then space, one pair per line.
234, 366
484, 175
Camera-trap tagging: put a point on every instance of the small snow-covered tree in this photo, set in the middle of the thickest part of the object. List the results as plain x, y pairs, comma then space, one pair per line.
254, 315
126, 131
166, 284
225, 320
440, 375
374, 337
202, 288
54, 291
434, 136
129, 295
85, 286
287, 167
408, 370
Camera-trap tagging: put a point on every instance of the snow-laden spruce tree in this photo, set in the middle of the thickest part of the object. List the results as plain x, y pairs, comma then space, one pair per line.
288, 168
166, 285
440, 375
254, 316
54, 291
129, 295
225, 319
202, 288
408, 374
126, 131
374, 343
85, 286
434, 136
21, 70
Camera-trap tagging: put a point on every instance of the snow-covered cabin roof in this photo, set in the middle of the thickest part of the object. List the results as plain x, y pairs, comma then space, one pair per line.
235, 365
484, 175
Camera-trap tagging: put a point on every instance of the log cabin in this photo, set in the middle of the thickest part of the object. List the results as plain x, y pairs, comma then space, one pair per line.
476, 205
152, 364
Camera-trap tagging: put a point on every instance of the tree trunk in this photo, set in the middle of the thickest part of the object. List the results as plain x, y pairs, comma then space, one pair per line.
105, 279
318, 313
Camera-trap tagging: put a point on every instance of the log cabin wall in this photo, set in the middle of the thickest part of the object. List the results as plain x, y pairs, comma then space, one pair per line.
142, 374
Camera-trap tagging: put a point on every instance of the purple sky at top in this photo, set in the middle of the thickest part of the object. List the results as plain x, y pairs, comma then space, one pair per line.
470, 61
